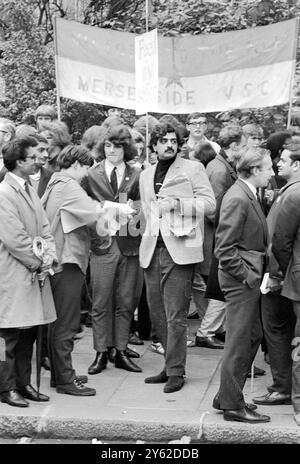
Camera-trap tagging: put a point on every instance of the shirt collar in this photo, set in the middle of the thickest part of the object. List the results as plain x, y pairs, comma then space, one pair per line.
109, 167
19, 179
251, 187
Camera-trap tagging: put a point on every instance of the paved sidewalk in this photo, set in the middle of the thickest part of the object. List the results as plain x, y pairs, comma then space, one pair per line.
125, 408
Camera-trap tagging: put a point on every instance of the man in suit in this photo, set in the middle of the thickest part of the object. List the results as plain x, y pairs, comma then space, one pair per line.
277, 310
23, 304
39, 180
114, 266
286, 249
241, 244
172, 244
222, 175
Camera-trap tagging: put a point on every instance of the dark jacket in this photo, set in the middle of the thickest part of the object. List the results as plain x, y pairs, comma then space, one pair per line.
221, 176
97, 186
242, 235
286, 240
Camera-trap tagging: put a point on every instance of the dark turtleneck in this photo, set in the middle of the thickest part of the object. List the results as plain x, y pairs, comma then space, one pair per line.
162, 168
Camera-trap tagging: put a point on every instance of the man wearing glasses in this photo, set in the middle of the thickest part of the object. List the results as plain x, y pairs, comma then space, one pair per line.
196, 124
23, 305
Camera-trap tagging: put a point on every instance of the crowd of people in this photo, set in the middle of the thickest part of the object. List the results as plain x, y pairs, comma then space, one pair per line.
143, 231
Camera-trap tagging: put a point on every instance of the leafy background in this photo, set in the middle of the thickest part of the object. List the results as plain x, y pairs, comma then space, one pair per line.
27, 49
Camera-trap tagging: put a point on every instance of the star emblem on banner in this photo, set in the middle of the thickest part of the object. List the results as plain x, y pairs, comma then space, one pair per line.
175, 79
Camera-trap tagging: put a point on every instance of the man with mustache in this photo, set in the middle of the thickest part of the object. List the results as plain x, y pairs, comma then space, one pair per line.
175, 195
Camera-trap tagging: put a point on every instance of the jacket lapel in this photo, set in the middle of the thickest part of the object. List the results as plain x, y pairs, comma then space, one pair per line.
149, 185
256, 207
173, 169
105, 180
13, 183
126, 177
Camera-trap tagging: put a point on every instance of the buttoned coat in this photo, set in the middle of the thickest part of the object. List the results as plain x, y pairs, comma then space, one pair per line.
242, 235
286, 239
22, 303
98, 187
186, 249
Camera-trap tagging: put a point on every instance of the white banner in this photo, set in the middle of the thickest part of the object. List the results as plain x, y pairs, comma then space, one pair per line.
250, 68
146, 72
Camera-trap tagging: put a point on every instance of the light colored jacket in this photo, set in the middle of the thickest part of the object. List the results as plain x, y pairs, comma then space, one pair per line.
22, 302
186, 249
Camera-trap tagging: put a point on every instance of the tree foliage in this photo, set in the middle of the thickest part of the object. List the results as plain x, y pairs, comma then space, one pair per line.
27, 52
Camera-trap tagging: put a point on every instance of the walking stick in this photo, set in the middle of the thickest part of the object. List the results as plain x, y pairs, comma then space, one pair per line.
39, 246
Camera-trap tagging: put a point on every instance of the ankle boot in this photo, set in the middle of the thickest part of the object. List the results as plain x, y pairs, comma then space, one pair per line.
123, 362
99, 363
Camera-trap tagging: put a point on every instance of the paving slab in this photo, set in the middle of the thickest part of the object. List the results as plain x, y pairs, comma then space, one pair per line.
125, 408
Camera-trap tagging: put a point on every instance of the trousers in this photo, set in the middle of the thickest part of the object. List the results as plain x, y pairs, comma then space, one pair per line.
15, 370
169, 292
66, 289
243, 337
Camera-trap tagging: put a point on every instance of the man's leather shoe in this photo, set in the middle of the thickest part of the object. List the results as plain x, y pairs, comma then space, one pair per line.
80, 378
272, 398
111, 352
174, 383
28, 392
221, 336
45, 363
257, 371
209, 342
134, 339
100, 363
216, 405
123, 362
131, 353
13, 398
159, 378
76, 388
245, 415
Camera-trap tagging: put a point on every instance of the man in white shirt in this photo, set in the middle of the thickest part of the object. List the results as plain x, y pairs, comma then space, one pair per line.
23, 304
114, 267
241, 246
39, 180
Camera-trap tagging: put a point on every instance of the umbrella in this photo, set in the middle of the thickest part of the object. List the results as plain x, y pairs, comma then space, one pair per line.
40, 250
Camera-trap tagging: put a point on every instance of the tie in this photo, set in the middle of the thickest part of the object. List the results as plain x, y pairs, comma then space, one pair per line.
259, 199
26, 185
113, 180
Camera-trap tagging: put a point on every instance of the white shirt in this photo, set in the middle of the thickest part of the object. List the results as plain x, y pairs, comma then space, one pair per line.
35, 179
251, 187
120, 170
19, 179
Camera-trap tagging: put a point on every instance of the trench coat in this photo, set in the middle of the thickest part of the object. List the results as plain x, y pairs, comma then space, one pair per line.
22, 302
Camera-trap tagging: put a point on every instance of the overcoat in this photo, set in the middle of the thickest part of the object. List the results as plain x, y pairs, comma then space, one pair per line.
22, 302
